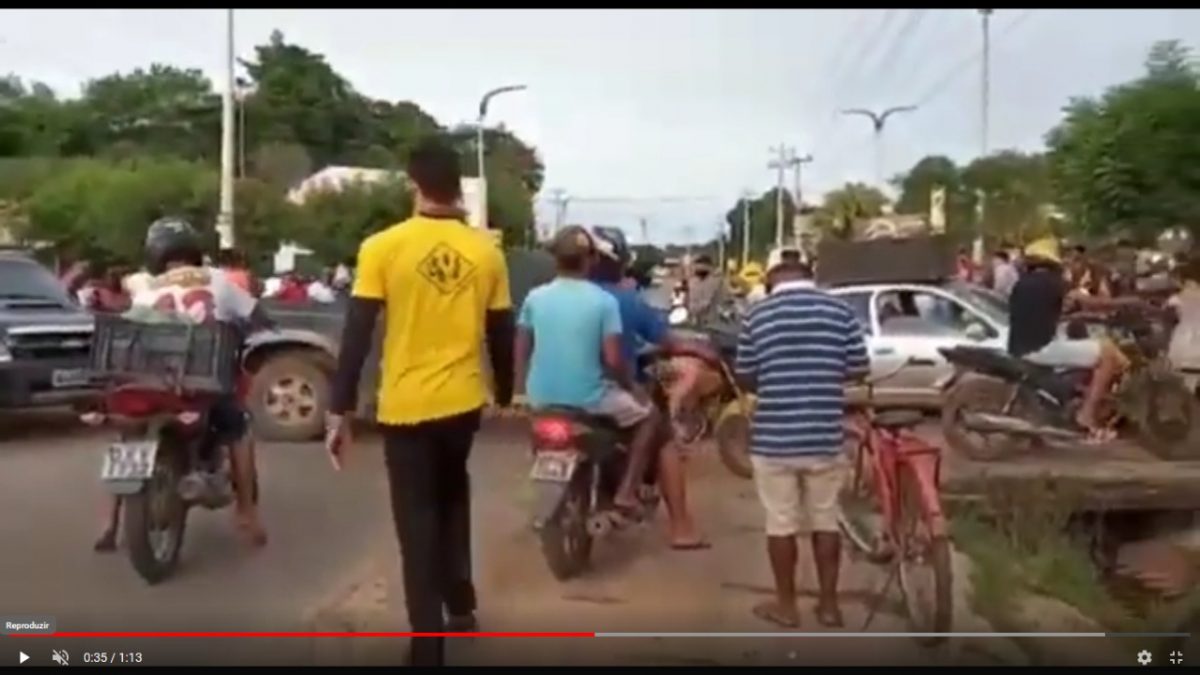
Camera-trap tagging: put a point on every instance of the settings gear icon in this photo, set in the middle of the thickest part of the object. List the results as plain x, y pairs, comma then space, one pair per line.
1144, 657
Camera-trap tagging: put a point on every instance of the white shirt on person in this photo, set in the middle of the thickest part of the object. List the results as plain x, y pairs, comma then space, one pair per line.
198, 294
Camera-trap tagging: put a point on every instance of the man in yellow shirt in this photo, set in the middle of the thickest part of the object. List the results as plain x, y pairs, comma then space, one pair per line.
442, 287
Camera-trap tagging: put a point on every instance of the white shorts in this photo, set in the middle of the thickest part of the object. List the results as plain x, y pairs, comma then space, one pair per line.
795, 489
621, 407
1064, 353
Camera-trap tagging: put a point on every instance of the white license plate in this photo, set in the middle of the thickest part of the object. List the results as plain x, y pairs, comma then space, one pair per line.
73, 377
555, 467
129, 461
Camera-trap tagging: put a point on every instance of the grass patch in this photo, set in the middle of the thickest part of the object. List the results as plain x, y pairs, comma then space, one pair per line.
1021, 540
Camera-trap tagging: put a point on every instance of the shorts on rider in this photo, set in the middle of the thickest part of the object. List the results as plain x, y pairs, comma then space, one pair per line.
1066, 353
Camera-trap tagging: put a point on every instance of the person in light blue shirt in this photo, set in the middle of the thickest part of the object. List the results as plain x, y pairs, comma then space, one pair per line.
568, 353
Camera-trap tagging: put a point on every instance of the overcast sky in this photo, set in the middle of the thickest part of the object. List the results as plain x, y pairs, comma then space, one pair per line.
649, 104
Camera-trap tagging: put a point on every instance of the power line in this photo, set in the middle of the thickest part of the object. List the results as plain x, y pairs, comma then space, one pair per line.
959, 68
889, 62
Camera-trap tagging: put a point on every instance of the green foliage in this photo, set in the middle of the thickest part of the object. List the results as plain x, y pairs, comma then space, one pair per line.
762, 212
80, 172
94, 207
842, 208
1129, 161
333, 223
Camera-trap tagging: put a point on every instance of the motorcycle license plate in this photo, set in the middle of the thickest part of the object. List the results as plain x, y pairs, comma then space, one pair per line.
555, 467
129, 461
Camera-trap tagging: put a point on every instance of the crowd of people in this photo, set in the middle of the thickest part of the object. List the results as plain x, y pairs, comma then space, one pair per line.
441, 290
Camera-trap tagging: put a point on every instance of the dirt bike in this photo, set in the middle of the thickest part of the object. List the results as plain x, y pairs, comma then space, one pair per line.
166, 458
722, 409
996, 405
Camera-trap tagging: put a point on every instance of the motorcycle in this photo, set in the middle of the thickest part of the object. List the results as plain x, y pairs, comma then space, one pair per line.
578, 463
722, 409
166, 459
996, 405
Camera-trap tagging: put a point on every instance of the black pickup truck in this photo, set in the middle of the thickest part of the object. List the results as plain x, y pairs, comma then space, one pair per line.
292, 366
44, 338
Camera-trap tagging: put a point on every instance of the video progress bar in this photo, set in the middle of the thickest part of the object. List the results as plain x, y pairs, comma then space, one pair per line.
888, 635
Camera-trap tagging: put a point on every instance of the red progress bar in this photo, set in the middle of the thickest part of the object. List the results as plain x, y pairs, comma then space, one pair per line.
163, 634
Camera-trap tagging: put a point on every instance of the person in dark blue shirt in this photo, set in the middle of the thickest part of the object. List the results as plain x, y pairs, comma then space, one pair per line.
643, 325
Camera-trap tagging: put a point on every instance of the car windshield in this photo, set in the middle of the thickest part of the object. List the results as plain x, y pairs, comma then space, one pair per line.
27, 280
986, 301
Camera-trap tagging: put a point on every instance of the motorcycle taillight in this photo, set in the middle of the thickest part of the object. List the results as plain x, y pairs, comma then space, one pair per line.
552, 433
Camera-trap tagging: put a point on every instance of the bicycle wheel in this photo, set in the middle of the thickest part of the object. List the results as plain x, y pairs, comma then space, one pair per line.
925, 576
860, 521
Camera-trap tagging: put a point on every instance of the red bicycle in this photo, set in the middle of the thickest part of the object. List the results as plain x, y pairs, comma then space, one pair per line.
892, 513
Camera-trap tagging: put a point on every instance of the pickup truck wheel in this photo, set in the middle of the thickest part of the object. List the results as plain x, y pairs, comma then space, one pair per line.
289, 397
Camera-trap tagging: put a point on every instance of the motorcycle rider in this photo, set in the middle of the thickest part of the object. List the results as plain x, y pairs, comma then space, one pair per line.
568, 353
183, 285
643, 325
1036, 307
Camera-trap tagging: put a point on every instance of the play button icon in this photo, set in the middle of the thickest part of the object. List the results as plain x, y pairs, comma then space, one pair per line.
23, 657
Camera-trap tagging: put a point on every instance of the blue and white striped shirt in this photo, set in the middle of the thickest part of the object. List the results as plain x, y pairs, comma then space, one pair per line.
800, 345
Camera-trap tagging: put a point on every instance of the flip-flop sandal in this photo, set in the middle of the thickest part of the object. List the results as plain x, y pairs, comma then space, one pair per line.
107, 543
624, 516
829, 618
769, 612
701, 545
1099, 436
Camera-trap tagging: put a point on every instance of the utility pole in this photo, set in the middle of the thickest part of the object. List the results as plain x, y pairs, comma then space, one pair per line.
878, 120
225, 214
645, 230
785, 157
797, 169
560, 199
721, 245
984, 103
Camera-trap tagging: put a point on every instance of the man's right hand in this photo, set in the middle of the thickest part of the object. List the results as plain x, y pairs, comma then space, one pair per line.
338, 439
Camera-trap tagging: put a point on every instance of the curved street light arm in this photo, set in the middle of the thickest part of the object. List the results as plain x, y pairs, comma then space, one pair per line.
483, 102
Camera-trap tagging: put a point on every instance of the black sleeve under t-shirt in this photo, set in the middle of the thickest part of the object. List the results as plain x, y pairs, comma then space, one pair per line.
1035, 308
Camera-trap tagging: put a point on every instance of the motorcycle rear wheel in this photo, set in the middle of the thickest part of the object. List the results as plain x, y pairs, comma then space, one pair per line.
566, 543
156, 518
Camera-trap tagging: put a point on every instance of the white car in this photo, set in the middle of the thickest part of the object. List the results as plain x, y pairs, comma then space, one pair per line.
910, 322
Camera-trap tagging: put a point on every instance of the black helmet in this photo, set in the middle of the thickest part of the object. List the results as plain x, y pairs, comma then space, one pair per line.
171, 240
611, 243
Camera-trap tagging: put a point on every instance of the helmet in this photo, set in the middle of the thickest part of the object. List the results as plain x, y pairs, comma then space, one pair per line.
611, 243
1046, 249
171, 240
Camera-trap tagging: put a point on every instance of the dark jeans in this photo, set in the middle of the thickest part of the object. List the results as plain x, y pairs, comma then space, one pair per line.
431, 506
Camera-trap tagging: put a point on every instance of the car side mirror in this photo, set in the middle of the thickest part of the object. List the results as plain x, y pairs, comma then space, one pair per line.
976, 332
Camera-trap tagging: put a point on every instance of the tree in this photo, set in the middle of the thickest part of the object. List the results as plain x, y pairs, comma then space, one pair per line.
842, 208
333, 223
102, 209
762, 223
1127, 161
164, 111
1016, 191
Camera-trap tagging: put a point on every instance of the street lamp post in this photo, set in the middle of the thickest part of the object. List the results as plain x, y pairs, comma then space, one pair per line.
225, 214
483, 106
878, 120
984, 103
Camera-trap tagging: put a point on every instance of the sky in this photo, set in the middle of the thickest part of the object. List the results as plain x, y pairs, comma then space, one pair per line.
661, 116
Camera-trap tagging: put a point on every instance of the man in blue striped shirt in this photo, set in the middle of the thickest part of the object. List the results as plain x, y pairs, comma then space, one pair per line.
797, 350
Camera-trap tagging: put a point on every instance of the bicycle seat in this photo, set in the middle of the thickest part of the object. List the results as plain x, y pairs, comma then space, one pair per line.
895, 420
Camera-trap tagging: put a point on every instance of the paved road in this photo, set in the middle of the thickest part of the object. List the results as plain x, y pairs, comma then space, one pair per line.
332, 565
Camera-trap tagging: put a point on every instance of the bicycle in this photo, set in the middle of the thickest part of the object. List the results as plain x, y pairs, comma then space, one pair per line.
896, 476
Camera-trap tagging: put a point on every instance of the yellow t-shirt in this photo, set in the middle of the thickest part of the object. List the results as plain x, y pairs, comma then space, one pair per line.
437, 278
